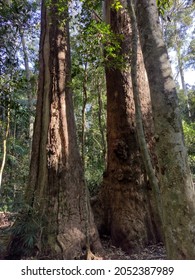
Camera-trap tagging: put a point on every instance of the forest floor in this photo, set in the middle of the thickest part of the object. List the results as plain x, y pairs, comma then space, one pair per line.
151, 252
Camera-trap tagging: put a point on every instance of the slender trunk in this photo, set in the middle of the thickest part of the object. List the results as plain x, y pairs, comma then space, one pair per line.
83, 114
179, 58
89, 254
181, 72
5, 146
100, 115
176, 185
180, 67
29, 87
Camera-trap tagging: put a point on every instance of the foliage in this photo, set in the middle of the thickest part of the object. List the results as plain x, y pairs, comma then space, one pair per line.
179, 36
94, 154
117, 5
190, 57
187, 108
26, 232
88, 37
96, 42
92, 43
20, 17
13, 89
163, 5
179, 32
189, 133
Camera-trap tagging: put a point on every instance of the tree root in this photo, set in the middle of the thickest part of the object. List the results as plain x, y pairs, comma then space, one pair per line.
91, 256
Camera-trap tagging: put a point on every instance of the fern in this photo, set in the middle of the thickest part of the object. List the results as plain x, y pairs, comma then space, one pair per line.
25, 232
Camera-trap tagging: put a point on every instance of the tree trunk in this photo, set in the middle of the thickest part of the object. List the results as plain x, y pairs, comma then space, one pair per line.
100, 119
5, 140
147, 160
56, 189
85, 98
29, 86
177, 190
123, 195
180, 66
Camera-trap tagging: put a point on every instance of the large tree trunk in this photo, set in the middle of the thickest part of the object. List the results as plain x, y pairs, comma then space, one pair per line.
123, 195
145, 152
177, 190
56, 189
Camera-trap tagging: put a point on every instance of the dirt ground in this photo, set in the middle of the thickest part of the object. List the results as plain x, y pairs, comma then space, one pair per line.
151, 252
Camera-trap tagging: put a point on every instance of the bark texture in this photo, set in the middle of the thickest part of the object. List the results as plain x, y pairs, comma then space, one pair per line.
177, 190
123, 194
145, 152
56, 187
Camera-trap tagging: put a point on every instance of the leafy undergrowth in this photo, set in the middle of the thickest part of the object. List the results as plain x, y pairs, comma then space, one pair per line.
152, 252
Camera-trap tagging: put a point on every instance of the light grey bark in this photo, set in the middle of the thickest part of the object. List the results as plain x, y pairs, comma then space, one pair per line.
178, 195
5, 139
181, 67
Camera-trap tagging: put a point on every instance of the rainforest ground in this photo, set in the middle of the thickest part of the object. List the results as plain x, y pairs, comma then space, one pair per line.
151, 252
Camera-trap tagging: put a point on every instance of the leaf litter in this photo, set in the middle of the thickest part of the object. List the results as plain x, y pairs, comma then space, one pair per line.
111, 252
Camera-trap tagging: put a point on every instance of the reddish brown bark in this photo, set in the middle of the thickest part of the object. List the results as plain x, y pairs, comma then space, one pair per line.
124, 197
56, 188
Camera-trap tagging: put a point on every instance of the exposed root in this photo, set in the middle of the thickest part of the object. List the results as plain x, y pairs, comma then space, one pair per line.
91, 256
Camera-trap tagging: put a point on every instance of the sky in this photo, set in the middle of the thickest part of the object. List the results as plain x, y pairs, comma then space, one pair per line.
190, 77
189, 74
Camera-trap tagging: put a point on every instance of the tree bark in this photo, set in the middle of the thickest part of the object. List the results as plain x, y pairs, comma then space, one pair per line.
56, 189
147, 160
100, 120
5, 139
123, 195
85, 98
177, 190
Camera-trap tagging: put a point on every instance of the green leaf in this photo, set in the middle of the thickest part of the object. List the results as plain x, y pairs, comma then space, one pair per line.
117, 5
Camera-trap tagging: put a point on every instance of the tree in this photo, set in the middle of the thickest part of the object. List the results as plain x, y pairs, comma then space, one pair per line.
176, 185
189, 133
124, 195
88, 81
179, 40
5, 139
147, 160
13, 96
57, 199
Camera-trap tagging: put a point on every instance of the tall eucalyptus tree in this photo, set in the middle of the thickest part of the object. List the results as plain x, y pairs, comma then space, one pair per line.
176, 186
124, 195
56, 190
